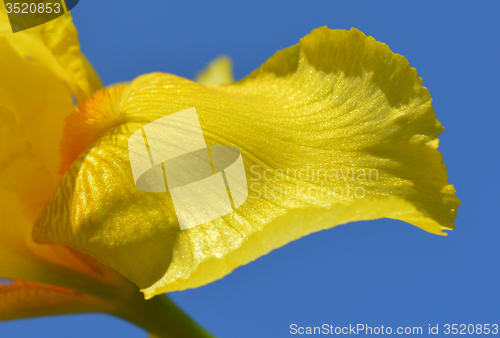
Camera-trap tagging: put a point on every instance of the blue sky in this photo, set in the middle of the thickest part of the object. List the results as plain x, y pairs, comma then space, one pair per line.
376, 273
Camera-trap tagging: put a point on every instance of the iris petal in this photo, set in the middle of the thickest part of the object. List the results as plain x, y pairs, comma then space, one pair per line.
45, 68
25, 184
218, 72
28, 299
338, 110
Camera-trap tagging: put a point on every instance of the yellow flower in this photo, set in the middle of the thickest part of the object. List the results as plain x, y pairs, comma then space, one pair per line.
42, 69
332, 130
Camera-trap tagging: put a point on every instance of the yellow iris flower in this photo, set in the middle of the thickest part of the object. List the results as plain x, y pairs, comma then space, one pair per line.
339, 108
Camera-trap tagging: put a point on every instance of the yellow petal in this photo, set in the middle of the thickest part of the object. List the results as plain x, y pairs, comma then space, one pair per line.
25, 186
55, 45
45, 68
218, 72
42, 67
27, 299
337, 111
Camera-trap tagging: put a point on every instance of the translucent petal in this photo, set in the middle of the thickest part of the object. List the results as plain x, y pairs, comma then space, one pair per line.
44, 67
337, 112
218, 72
27, 299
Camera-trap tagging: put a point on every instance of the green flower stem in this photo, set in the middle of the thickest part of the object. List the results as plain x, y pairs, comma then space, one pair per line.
159, 316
